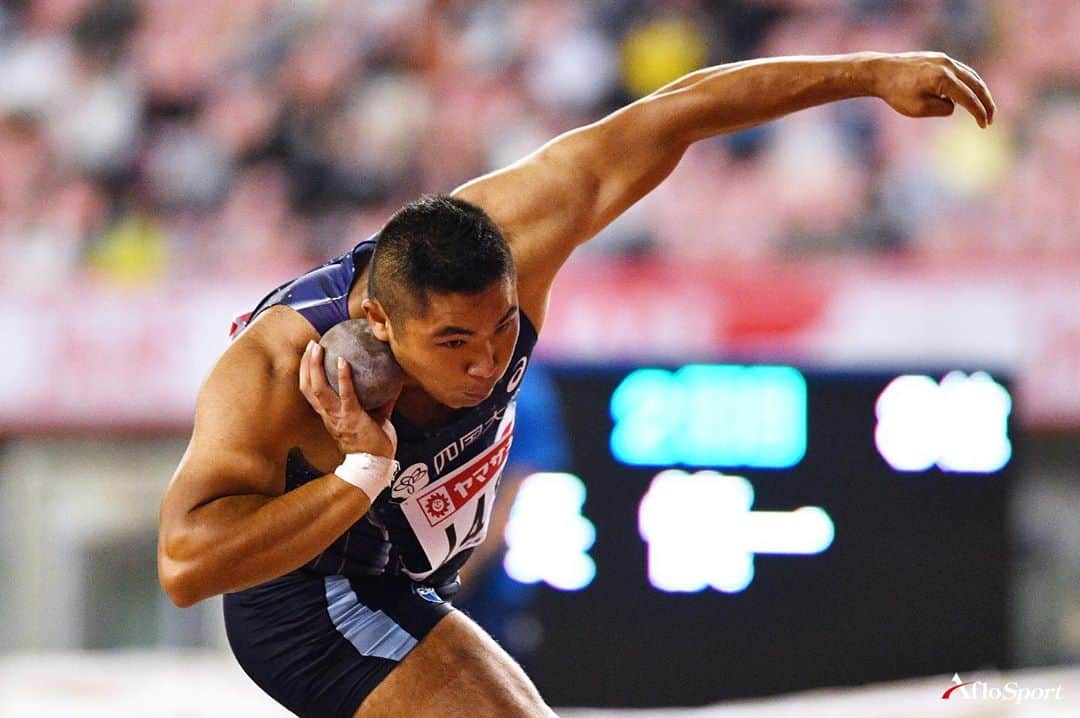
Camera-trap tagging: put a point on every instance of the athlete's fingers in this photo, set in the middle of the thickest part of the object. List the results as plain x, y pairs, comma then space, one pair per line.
305, 374
381, 414
320, 388
346, 390
978, 86
303, 368
982, 89
952, 88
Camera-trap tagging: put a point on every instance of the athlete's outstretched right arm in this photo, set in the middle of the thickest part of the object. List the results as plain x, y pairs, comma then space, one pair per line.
226, 521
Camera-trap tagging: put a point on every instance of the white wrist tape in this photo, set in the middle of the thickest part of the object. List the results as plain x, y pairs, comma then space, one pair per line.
367, 472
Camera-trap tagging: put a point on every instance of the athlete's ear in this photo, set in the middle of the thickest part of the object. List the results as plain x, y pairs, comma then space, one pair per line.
377, 318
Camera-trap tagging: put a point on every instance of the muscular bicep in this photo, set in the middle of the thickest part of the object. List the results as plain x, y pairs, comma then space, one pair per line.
568, 190
237, 445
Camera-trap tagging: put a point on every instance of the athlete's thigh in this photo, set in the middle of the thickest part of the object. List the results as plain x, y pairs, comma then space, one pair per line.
456, 671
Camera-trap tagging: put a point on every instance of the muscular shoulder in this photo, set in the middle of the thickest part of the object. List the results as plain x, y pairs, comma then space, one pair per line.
249, 412
252, 393
272, 345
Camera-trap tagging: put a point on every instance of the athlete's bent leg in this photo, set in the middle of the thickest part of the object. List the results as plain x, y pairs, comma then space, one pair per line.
456, 671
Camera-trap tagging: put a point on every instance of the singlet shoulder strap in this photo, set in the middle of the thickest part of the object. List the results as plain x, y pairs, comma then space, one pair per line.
321, 295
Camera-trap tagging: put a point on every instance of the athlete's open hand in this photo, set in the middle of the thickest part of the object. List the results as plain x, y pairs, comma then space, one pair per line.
930, 84
353, 428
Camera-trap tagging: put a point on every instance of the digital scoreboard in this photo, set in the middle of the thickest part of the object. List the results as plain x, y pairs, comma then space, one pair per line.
730, 531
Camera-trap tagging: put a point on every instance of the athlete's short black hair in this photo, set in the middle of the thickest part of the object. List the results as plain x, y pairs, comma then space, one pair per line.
436, 244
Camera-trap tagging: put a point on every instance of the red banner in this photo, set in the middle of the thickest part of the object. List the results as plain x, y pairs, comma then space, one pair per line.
96, 359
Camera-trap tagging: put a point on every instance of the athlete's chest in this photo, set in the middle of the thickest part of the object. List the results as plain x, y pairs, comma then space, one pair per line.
427, 458
440, 499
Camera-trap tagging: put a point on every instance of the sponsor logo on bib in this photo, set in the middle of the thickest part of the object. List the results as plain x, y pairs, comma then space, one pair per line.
409, 481
442, 500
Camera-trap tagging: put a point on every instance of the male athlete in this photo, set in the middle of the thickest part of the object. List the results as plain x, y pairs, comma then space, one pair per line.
337, 563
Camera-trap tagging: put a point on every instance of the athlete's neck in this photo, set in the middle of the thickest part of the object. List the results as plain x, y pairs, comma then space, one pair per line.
421, 409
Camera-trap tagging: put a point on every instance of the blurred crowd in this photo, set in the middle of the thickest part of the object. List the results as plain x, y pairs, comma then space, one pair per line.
146, 140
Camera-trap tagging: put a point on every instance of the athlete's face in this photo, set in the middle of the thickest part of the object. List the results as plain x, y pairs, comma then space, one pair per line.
461, 346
